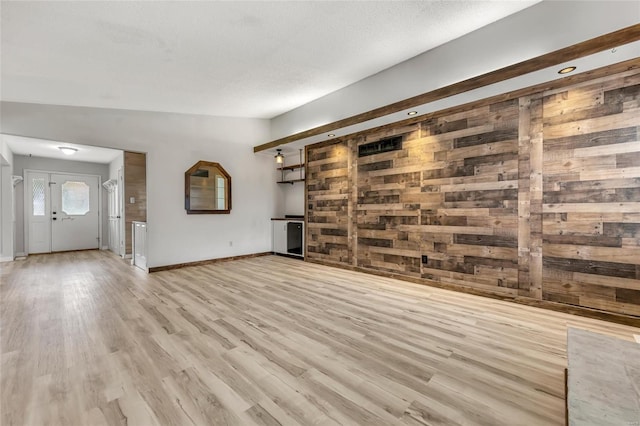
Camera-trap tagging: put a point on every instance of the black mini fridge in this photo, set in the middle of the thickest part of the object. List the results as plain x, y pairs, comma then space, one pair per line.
294, 238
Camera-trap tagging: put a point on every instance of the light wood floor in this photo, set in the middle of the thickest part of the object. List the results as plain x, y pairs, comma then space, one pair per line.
89, 340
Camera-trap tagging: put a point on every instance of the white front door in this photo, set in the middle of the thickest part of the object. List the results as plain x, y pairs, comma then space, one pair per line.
38, 211
62, 212
75, 222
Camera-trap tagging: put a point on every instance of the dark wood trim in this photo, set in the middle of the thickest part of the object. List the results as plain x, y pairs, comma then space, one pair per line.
207, 262
628, 65
187, 188
630, 320
292, 167
579, 50
292, 181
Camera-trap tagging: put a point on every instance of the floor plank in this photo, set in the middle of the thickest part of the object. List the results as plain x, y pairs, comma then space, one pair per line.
88, 339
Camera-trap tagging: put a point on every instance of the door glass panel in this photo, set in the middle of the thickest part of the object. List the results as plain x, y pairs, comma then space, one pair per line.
38, 197
75, 198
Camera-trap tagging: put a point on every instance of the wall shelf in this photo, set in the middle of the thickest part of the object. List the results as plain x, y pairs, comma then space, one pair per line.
292, 181
292, 167
286, 175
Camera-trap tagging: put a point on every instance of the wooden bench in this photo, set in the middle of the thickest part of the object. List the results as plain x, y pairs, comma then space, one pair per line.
603, 380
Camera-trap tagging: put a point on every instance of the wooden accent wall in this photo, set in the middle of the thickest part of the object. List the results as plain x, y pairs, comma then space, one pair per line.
328, 191
591, 199
135, 185
535, 196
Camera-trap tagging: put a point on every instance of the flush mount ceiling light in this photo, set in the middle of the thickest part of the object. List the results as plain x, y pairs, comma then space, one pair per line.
330, 135
67, 150
566, 70
279, 157
412, 112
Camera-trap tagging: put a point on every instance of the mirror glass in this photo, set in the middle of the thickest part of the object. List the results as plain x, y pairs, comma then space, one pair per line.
207, 189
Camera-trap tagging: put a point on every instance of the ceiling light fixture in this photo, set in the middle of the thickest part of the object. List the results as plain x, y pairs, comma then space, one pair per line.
67, 150
330, 135
279, 157
412, 112
566, 70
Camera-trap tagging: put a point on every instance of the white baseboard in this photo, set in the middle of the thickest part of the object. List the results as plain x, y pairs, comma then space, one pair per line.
21, 254
127, 256
6, 259
105, 248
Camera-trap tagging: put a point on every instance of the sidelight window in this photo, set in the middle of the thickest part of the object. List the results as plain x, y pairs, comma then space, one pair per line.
38, 196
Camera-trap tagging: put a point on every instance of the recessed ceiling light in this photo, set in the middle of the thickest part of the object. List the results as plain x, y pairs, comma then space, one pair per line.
330, 135
67, 150
412, 112
566, 70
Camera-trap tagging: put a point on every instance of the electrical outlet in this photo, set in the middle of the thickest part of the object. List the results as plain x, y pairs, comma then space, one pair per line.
425, 259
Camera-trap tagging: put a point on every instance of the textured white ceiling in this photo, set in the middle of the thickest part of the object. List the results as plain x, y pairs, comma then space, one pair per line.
242, 59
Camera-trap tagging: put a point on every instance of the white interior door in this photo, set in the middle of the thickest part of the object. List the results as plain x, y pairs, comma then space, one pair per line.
75, 221
122, 233
114, 219
38, 212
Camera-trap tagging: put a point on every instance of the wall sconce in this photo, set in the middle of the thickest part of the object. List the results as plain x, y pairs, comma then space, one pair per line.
279, 157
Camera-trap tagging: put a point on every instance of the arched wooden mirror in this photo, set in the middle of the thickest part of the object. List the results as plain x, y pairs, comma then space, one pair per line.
207, 189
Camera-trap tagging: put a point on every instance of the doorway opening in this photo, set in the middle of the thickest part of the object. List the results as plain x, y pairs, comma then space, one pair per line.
62, 212
87, 199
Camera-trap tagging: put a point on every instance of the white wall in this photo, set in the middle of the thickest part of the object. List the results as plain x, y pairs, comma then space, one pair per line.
22, 162
294, 199
539, 29
173, 143
290, 199
7, 215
